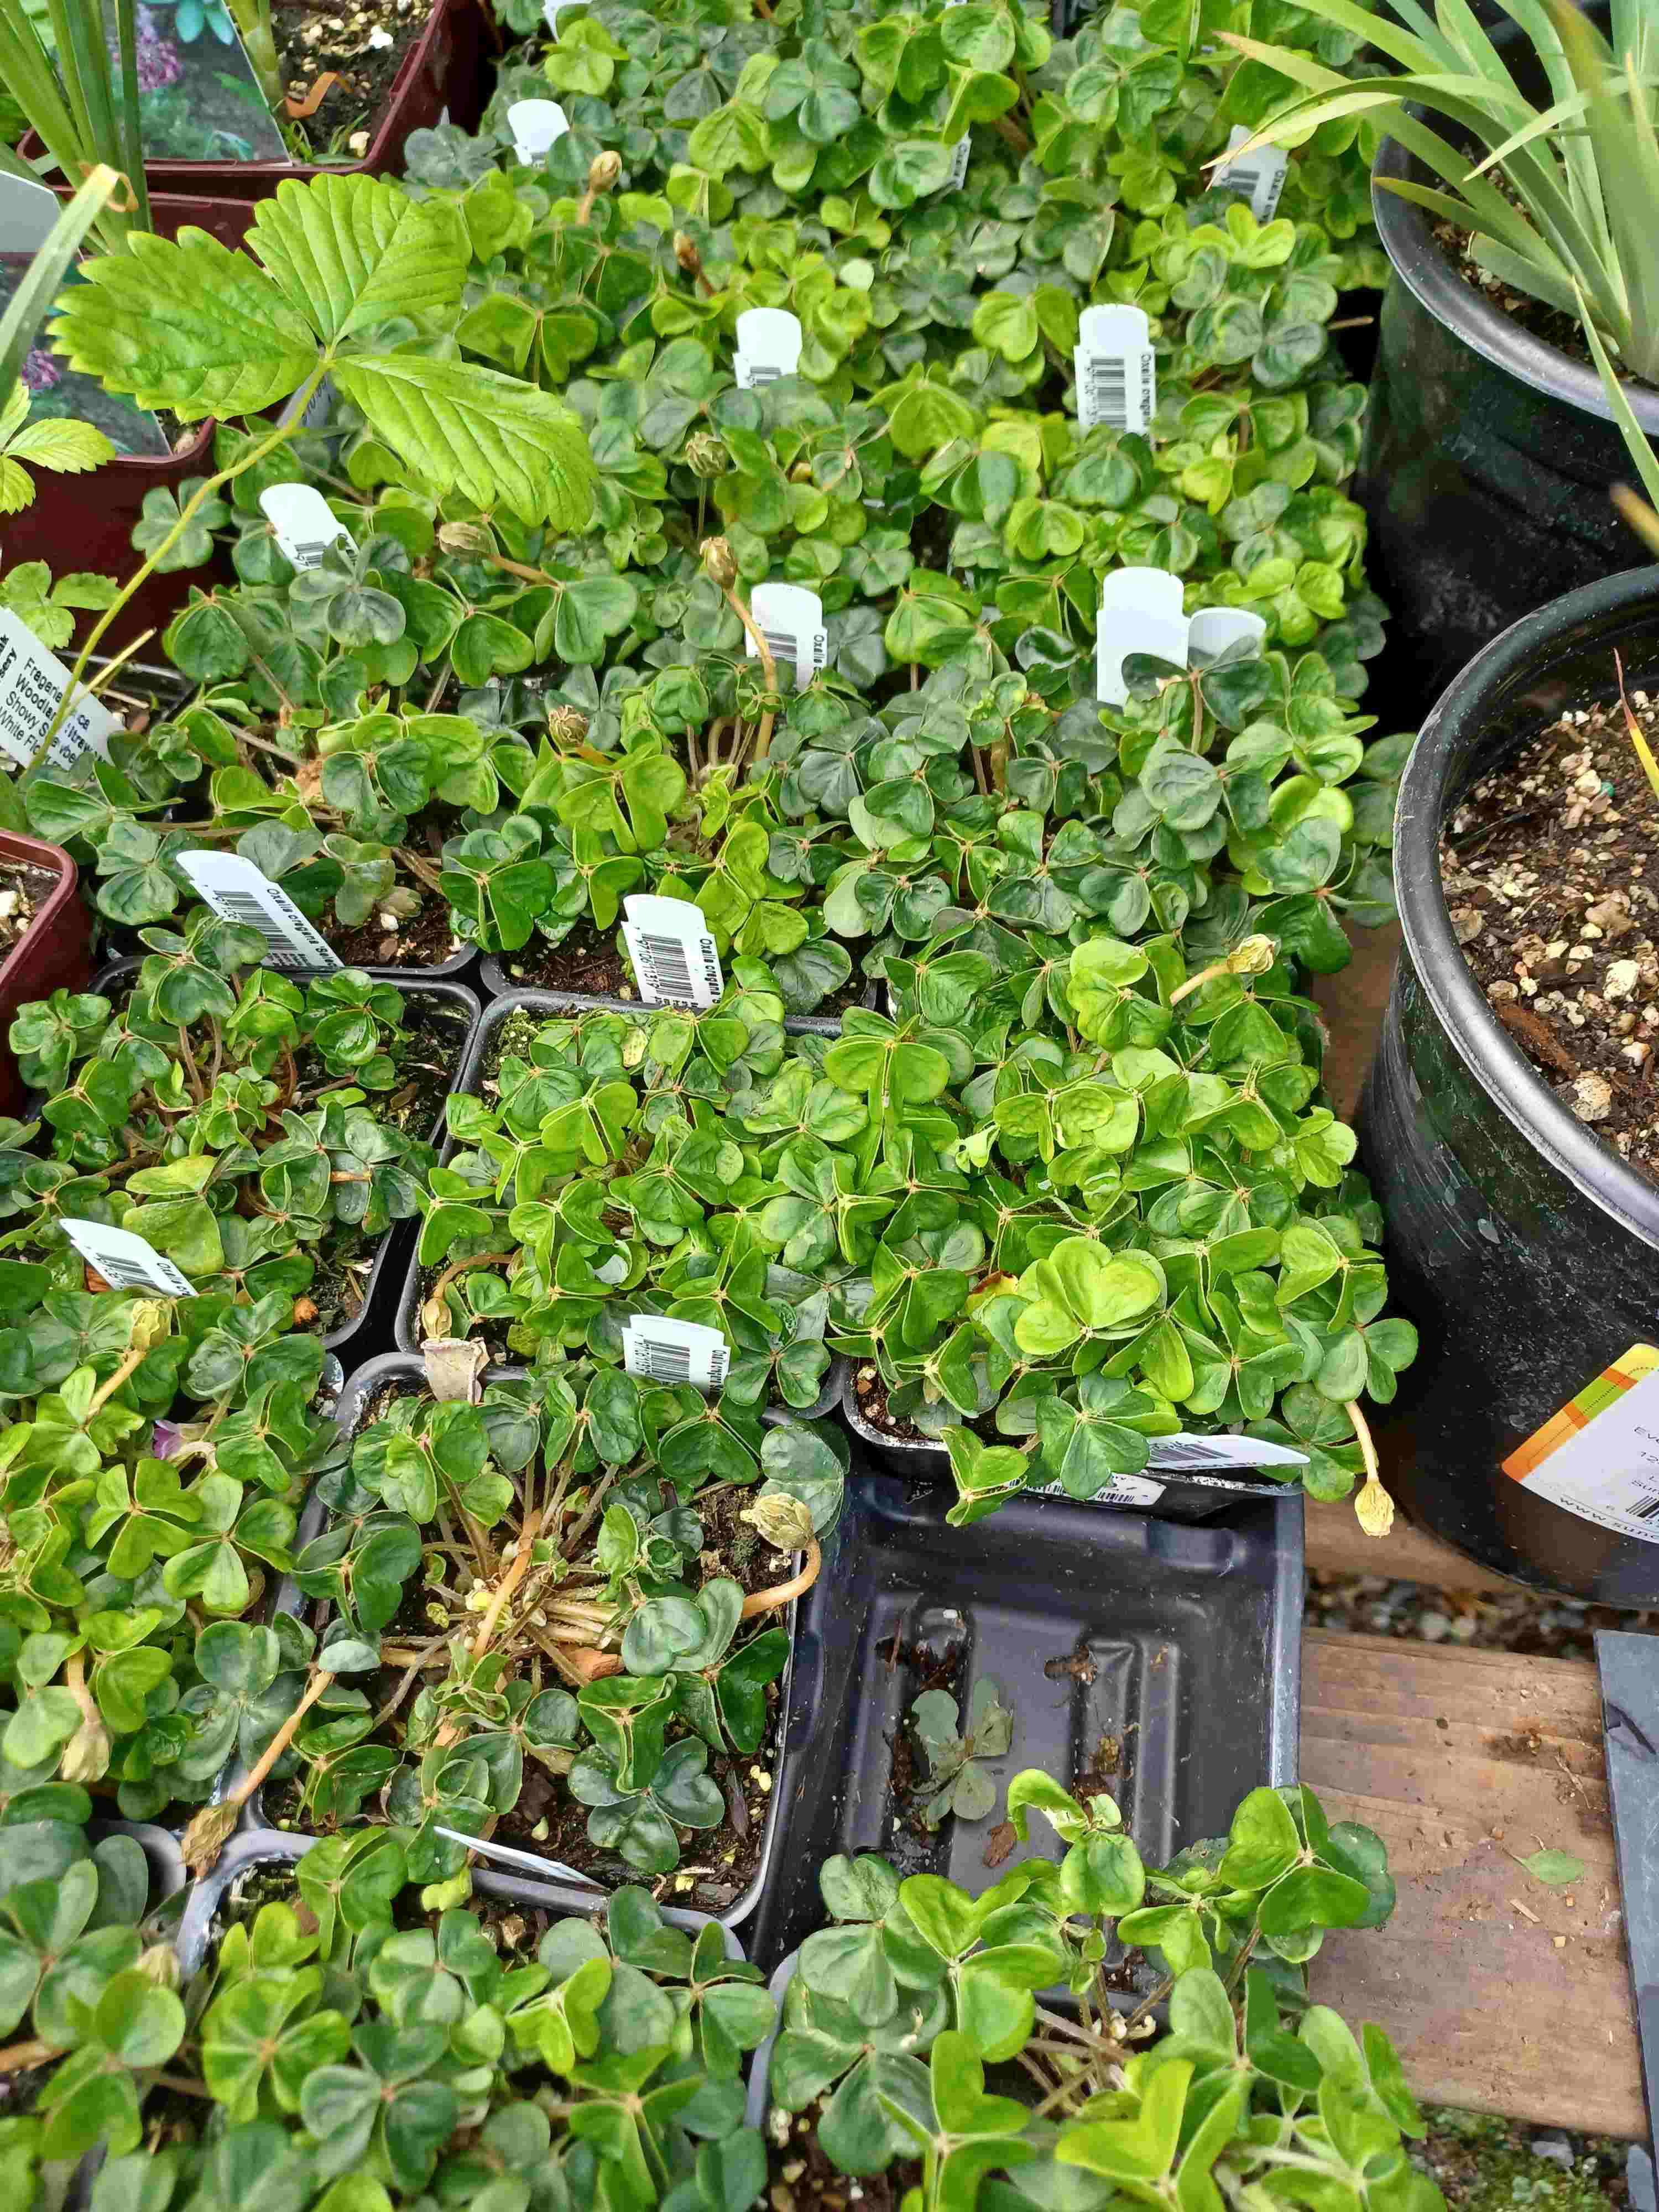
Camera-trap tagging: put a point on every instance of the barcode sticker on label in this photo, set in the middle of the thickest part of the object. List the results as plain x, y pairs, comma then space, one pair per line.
664, 1350
1182, 1454
1598, 1458
675, 962
1139, 613
1117, 369
769, 346
304, 524
32, 683
127, 1262
1215, 630
241, 892
961, 153
1123, 1489
1260, 179
535, 124
315, 412
791, 620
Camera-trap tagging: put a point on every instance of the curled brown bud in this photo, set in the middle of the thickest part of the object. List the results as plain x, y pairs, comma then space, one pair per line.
566, 726
706, 455
719, 561
687, 255
604, 172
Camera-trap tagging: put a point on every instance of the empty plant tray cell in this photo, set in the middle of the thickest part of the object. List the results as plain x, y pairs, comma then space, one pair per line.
1157, 1661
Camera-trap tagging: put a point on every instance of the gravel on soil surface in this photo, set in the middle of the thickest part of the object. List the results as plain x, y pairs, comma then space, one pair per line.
1543, 1627
1484, 2164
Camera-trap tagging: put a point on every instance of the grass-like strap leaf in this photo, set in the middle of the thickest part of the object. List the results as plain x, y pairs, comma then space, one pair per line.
348, 252
501, 442
184, 324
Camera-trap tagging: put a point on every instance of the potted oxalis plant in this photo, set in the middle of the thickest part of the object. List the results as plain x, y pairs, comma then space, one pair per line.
308, 2034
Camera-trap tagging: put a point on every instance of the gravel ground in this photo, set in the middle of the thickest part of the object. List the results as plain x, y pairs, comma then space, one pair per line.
1519, 1620
1487, 2165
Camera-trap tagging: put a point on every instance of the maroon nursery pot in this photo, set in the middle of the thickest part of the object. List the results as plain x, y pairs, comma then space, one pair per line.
85, 522
444, 69
54, 953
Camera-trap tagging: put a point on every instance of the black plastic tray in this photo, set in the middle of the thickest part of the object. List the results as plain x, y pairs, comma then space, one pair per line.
368, 1333
1193, 1634
1186, 1497
361, 1386
499, 983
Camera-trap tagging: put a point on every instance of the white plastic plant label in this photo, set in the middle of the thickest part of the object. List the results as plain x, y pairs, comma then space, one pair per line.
304, 524
791, 620
31, 683
241, 892
769, 346
1260, 179
535, 124
125, 1262
1140, 611
505, 1854
664, 1350
1117, 369
1182, 1454
552, 11
1215, 630
675, 960
315, 412
961, 152
1599, 1457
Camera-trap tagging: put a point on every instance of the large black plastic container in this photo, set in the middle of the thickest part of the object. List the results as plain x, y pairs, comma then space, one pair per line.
1487, 460
1176, 1655
1523, 1248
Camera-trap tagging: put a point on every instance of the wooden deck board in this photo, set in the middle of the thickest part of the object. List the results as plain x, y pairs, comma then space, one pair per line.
1457, 1757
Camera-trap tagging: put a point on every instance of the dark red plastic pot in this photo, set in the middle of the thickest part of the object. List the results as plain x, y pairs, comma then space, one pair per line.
54, 954
85, 522
444, 69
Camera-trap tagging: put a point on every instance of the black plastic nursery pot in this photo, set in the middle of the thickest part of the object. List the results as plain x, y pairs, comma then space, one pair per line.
1178, 1496
1524, 1249
1157, 1663
1487, 460
398, 1371
253, 1848
407, 1331
368, 1331
52, 954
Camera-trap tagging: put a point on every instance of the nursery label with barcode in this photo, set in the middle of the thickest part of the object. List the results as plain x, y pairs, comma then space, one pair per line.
304, 523
127, 1262
239, 891
1116, 370
1599, 1457
32, 683
675, 960
664, 1350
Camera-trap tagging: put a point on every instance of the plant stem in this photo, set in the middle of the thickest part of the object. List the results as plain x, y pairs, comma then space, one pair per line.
509, 1582
768, 1600
209, 485
108, 1390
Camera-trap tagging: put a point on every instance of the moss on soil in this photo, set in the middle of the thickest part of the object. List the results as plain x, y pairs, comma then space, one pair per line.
1486, 2165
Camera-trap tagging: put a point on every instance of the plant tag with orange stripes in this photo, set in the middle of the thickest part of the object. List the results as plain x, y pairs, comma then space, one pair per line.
1599, 1457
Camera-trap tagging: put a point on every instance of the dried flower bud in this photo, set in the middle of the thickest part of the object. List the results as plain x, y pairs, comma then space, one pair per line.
604, 172
706, 455
1374, 1508
465, 537
719, 561
208, 1834
150, 1319
686, 254
784, 1522
1254, 956
566, 726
